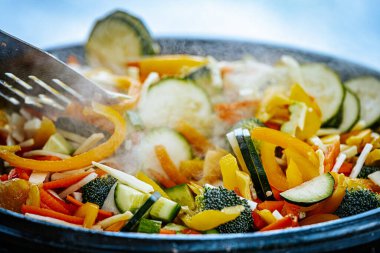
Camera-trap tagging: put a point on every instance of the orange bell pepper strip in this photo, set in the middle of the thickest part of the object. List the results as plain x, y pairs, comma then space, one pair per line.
332, 203
346, 168
279, 224
98, 153
271, 205
273, 171
258, 222
331, 154
197, 140
285, 141
318, 218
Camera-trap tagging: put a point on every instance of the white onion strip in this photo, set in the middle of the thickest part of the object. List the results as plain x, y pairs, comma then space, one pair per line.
78, 185
38, 177
89, 143
49, 219
113, 219
41, 152
339, 162
72, 136
27, 143
359, 163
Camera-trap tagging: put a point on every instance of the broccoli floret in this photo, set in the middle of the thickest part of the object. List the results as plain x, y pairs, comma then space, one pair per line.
218, 198
96, 191
366, 170
358, 201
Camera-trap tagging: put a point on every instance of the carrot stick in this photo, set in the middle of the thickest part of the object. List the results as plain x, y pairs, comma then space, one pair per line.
167, 232
22, 174
52, 202
271, 205
116, 227
331, 154
65, 182
102, 214
279, 224
168, 165
51, 214
194, 137
346, 168
167, 183
44, 206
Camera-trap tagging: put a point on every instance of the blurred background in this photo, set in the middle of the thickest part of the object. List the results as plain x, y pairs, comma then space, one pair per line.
348, 29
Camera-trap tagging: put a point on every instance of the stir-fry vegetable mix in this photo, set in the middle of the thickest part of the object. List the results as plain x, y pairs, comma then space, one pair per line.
203, 147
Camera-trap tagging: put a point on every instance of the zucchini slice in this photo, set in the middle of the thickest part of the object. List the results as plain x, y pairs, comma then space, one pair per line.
176, 145
128, 199
172, 100
253, 164
117, 39
351, 111
311, 192
141, 213
149, 226
325, 86
366, 88
182, 195
165, 210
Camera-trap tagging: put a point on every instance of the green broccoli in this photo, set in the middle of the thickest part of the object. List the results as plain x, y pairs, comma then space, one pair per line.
358, 201
217, 198
97, 190
366, 170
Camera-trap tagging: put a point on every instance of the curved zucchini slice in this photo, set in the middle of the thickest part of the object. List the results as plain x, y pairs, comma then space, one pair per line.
117, 39
325, 86
128, 199
351, 111
172, 100
366, 88
311, 192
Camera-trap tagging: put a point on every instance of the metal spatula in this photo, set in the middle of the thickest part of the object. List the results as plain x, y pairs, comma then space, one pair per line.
32, 77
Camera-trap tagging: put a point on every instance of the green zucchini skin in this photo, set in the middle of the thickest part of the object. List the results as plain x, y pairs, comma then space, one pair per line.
182, 195
149, 226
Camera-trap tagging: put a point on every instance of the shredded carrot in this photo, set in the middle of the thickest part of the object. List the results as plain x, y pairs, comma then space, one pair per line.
117, 226
168, 165
199, 142
232, 113
101, 172
52, 202
271, 205
167, 232
44, 206
65, 182
102, 214
51, 214
167, 183
279, 224
346, 168
331, 154
22, 174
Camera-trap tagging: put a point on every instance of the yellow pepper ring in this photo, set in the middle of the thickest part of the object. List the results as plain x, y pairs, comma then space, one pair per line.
98, 153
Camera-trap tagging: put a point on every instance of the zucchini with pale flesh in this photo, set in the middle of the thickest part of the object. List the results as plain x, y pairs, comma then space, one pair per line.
128, 199
253, 163
182, 195
141, 213
149, 226
165, 210
57, 143
208, 77
311, 192
117, 39
171, 101
366, 88
175, 144
351, 111
324, 85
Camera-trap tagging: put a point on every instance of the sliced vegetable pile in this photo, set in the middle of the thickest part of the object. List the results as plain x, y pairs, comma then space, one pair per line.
203, 147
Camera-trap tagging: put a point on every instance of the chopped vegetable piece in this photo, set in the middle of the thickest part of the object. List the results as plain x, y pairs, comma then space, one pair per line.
293, 174
51, 214
149, 226
167, 183
192, 169
359, 163
244, 184
196, 139
96, 191
114, 219
267, 216
47, 128
74, 187
65, 182
52, 202
13, 194
318, 218
271, 205
182, 195
116, 227
143, 177
34, 196
279, 224
229, 167
89, 212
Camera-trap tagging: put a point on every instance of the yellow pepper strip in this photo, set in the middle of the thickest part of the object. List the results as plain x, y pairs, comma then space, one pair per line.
98, 153
285, 141
299, 94
360, 139
318, 218
34, 196
293, 174
373, 157
197, 189
47, 128
307, 169
192, 168
210, 219
273, 171
143, 177
267, 216
312, 124
243, 181
229, 167
89, 212
169, 65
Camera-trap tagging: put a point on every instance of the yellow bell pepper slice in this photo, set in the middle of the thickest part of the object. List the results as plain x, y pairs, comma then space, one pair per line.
89, 212
47, 128
229, 167
297, 93
275, 175
293, 174
267, 216
34, 196
143, 177
210, 219
305, 167
169, 65
373, 157
243, 181
98, 153
285, 141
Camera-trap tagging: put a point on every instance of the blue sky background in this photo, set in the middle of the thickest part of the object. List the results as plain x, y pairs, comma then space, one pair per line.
345, 28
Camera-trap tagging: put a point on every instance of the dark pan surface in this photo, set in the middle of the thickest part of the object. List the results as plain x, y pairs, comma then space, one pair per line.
19, 232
